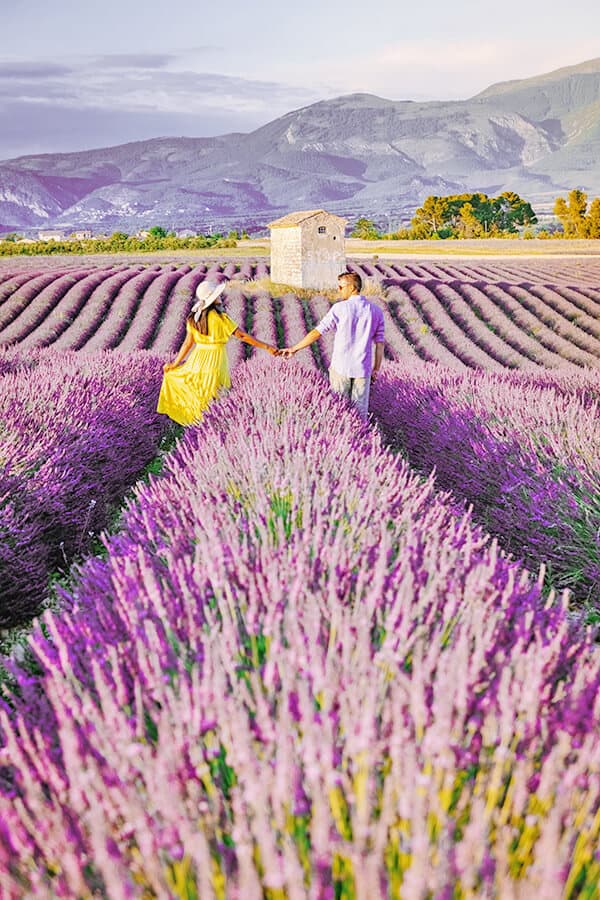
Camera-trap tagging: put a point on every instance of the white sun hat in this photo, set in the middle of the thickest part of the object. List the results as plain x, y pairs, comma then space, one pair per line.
206, 294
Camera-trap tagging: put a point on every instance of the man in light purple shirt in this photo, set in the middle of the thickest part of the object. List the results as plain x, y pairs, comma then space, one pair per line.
358, 326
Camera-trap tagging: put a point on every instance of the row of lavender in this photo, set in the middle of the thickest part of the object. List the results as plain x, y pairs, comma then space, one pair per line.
477, 324
523, 450
584, 271
76, 430
130, 307
292, 678
493, 326
540, 503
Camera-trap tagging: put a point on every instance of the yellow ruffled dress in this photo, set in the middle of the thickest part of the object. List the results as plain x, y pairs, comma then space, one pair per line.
187, 390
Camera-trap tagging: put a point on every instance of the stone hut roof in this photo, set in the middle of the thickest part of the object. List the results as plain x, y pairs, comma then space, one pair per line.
296, 218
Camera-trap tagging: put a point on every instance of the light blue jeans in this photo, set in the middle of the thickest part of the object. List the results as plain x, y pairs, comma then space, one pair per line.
357, 389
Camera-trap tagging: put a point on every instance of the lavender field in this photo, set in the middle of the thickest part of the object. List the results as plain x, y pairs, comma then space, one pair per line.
75, 433
483, 314
316, 658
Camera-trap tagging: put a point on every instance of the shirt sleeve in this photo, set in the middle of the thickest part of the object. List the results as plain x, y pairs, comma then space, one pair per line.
379, 335
328, 322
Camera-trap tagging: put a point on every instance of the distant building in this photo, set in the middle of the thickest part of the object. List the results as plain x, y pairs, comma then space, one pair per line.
186, 233
308, 249
85, 235
142, 233
51, 235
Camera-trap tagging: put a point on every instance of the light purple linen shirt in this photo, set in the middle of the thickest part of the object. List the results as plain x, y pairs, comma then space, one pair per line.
357, 324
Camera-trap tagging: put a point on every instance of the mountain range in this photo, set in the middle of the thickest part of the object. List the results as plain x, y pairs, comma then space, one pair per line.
355, 155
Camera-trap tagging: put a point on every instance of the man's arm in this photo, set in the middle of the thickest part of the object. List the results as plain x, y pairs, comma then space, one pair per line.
378, 338
310, 338
378, 358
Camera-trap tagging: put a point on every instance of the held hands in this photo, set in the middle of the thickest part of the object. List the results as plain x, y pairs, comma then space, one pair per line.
282, 353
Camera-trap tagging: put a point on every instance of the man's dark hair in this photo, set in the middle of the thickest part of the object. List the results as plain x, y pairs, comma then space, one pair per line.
354, 279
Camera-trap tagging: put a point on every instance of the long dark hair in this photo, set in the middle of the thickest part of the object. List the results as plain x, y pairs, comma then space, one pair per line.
201, 326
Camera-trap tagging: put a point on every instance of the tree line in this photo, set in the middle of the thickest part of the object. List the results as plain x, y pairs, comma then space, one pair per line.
118, 242
454, 216
479, 216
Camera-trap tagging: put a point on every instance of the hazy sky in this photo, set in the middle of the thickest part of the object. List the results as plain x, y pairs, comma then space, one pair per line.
76, 74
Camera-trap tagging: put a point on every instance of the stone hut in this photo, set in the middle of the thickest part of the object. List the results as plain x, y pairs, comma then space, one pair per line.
308, 249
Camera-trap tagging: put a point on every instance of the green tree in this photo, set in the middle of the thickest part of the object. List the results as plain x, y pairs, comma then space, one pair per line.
365, 229
157, 231
432, 215
455, 204
472, 215
578, 207
484, 212
511, 210
468, 225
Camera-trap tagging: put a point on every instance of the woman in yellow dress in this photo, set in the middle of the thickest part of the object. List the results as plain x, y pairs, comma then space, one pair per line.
200, 369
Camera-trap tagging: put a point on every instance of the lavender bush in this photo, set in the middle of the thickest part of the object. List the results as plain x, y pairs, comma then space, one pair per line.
95, 308
75, 432
69, 308
110, 331
154, 299
522, 449
25, 292
44, 304
298, 674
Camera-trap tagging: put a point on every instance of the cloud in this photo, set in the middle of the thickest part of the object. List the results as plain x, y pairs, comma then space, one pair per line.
136, 60
93, 105
43, 91
33, 71
154, 83
446, 55
205, 48
435, 69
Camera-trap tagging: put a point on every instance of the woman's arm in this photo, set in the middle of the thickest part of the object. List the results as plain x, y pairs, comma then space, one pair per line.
306, 341
248, 339
183, 352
